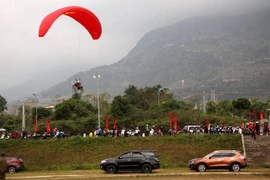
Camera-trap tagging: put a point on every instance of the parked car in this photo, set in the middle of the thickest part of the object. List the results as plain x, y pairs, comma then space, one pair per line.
135, 160
14, 164
191, 129
222, 159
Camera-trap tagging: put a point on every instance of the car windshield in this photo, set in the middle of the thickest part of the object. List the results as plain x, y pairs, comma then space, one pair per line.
150, 153
211, 154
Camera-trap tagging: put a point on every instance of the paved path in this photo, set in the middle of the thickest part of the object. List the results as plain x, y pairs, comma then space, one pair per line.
160, 174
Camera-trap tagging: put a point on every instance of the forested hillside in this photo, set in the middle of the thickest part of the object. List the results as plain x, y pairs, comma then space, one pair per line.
228, 54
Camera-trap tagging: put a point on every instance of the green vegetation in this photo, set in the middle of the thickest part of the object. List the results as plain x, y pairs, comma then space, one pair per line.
86, 153
136, 108
3, 104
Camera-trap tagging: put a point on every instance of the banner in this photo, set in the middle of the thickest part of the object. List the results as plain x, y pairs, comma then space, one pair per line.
107, 122
255, 115
207, 123
48, 126
114, 123
261, 115
35, 125
223, 123
175, 122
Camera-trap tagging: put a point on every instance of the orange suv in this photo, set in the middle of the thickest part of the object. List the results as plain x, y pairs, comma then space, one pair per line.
222, 159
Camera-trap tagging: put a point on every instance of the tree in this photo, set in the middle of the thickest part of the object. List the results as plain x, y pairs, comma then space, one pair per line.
147, 97
27, 110
130, 93
241, 105
3, 104
103, 101
73, 108
76, 96
258, 105
173, 104
211, 107
121, 107
224, 108
42, 112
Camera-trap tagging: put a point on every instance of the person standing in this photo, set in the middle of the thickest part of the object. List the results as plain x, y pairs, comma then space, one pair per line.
161, 130
253, 133
147, 130
3, 163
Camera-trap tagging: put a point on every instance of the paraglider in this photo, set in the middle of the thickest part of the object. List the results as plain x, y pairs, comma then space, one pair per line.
82, 15
77, 85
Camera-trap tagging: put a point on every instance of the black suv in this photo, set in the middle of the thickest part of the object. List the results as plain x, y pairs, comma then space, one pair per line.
143, 160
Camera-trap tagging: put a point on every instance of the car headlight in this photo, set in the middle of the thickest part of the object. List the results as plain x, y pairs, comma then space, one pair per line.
103, 161
191, 161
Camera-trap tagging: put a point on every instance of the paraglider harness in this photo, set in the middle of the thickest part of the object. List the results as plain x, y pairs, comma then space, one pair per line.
78, 85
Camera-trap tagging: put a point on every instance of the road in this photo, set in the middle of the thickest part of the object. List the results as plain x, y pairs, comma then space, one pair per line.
162, 174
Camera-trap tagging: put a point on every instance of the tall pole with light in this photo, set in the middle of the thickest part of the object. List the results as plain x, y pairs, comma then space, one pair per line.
159, 89
97, 76
23, 117
36, 105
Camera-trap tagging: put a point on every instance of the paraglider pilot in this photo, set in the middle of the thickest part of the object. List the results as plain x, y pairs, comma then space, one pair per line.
78, 85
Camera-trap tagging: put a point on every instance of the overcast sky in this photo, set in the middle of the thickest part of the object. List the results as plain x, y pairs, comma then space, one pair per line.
124, 22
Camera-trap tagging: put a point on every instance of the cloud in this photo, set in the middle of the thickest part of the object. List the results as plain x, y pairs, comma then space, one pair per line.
124, 22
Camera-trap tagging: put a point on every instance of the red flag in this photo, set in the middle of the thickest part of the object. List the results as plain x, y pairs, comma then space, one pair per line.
255, 114
207, 123
170, 116
35, 125
107, 122
175, 122
114, 123
48, 122
249, 115
261, 115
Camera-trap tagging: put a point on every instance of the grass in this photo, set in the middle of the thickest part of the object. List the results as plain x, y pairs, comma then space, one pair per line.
77, 153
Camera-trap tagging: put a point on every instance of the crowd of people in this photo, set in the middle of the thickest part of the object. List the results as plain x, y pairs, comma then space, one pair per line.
121, 132
251, 128
56, 134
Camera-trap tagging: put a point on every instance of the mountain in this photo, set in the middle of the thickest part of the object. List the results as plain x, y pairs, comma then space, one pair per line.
42, 80
227, 53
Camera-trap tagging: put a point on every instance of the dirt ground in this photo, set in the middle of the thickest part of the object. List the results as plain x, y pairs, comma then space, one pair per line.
164, 174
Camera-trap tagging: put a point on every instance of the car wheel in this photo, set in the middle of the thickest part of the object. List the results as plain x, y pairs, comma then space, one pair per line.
146, 168
235, 167
201, 167
12, 169
111, 169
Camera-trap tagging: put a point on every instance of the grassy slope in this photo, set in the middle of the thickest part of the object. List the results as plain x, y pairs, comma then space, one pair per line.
86, 153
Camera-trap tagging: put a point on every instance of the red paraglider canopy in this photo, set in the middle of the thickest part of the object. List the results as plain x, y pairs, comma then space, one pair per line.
80, 14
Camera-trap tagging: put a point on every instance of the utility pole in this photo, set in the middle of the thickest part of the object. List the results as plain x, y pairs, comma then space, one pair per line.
213, 96
159, 96
182, 89
204, 103
36, 107
23, 117
97, 76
